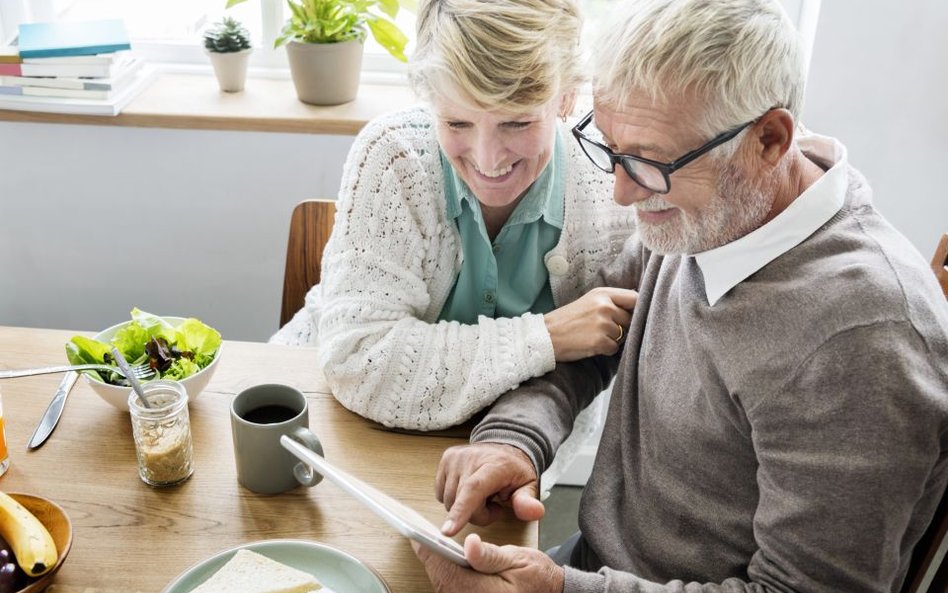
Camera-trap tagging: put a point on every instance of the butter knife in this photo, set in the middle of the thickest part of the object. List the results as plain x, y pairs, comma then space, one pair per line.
53, 411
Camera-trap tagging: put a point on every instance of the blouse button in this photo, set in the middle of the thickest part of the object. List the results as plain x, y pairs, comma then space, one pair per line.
557, 265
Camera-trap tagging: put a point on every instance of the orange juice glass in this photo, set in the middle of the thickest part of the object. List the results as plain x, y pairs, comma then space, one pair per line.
4, 457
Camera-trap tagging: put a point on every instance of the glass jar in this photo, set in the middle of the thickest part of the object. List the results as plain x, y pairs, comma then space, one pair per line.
162, 433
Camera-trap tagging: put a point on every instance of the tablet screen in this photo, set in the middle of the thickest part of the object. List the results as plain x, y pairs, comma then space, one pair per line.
406, 520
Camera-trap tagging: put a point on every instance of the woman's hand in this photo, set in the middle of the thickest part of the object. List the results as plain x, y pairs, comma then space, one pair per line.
591, 325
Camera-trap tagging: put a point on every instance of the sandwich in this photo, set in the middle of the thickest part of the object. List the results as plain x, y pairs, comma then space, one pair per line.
250, 572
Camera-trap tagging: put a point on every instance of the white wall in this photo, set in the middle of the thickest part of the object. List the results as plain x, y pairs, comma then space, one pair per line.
879, 82
94, 220
212, 208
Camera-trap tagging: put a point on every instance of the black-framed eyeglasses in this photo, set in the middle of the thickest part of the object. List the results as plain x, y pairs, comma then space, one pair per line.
652, 175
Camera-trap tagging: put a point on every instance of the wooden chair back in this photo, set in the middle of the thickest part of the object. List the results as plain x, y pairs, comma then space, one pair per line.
928, 572
310, 227
940, 263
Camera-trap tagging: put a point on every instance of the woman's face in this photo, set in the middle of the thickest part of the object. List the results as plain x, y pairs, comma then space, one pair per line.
497, 154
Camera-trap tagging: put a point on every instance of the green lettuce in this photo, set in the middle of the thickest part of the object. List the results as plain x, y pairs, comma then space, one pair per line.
175, 352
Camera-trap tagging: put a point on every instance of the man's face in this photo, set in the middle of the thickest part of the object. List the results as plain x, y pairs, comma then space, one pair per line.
711, 203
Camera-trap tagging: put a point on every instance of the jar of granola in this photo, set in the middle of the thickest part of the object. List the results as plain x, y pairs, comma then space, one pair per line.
162, 433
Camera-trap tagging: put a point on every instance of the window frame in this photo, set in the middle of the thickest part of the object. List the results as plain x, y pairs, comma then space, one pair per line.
180, 56
267, 61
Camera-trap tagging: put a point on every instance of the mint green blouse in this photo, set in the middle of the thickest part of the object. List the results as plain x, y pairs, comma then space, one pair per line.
508, 277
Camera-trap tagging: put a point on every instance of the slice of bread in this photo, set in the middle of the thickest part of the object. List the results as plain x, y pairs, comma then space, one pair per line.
250, 572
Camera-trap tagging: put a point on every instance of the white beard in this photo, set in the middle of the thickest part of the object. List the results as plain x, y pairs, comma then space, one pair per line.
737, 207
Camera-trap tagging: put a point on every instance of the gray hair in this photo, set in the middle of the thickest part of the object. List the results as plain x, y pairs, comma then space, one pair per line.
737, 58
502, 54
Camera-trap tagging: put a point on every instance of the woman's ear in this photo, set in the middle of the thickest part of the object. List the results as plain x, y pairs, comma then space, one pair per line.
567, 104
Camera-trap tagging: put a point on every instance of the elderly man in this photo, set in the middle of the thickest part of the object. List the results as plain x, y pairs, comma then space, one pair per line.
779, 420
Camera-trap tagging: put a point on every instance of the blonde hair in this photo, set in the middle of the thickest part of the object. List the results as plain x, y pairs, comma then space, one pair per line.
510, 55
737, 58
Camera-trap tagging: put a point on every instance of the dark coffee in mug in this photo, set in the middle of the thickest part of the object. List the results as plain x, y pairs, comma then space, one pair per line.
269, 414
260, 416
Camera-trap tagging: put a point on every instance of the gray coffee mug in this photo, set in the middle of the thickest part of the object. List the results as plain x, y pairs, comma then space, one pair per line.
259, 416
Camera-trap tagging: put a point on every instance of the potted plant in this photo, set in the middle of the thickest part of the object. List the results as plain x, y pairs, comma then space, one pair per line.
324, 43
228, 44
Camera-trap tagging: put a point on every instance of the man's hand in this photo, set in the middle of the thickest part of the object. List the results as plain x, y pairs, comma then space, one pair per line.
475, 482
590, 325
494, 569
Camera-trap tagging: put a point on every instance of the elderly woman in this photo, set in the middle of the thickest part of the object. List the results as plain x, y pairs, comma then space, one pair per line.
468, 230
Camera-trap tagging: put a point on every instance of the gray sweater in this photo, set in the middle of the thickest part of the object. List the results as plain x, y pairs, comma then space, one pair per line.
793, 437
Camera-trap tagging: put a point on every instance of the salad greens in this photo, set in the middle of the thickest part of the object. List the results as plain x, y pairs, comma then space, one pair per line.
174, 352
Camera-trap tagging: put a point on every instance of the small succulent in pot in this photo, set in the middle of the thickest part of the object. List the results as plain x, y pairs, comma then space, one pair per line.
227, 36
228, 44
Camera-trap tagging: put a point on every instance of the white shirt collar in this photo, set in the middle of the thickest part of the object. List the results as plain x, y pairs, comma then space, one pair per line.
727, 266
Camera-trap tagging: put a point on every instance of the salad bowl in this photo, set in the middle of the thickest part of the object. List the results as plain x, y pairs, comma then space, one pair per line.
118, 395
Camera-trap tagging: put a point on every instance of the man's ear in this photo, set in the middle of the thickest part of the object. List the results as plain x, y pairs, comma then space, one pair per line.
773, 133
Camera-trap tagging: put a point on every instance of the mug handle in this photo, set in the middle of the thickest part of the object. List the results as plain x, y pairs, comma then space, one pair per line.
303, 473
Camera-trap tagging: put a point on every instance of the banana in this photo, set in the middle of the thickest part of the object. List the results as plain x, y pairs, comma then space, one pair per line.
30, 541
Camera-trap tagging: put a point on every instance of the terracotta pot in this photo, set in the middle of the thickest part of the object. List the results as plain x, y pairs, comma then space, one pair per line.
230, 69
325, 73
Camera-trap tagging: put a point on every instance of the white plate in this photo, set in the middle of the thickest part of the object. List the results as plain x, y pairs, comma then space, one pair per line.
333, 568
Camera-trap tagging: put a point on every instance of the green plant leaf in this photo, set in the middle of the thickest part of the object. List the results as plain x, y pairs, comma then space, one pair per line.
334, 21
299, 11
389, 36
389, 7
227, 35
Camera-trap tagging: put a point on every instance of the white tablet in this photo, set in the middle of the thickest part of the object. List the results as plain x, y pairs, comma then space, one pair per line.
404, 519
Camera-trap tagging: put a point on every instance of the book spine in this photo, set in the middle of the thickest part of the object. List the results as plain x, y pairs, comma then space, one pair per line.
78, 70
109, 107
59, 83
73, 51
35, 91
98, 59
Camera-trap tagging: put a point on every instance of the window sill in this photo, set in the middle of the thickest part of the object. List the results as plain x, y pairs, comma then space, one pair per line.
193, 102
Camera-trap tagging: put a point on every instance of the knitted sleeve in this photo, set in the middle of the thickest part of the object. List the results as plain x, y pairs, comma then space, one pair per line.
387, 270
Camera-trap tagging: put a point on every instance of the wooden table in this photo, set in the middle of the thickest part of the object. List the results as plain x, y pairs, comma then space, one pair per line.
130, 537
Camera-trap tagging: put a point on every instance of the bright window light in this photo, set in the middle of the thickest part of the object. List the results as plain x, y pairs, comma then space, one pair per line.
170, 31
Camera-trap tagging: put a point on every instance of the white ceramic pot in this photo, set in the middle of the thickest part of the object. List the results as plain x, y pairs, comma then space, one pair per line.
325, 73
230, 69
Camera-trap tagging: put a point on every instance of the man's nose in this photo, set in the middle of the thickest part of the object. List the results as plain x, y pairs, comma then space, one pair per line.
627, 192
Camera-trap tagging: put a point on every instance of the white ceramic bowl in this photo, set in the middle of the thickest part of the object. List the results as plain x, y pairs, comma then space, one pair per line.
118, 396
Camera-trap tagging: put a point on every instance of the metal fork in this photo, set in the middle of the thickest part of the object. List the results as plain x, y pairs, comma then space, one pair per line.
141, 371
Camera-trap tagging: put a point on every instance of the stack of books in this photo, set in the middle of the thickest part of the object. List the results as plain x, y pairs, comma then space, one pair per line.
71, 67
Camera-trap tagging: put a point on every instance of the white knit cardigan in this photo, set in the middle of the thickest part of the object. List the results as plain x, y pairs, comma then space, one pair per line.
393, 259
